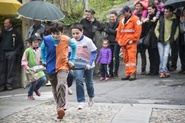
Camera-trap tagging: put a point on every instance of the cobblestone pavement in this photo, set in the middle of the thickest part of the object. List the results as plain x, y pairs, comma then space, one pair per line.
167, 116
46, 113
99, 113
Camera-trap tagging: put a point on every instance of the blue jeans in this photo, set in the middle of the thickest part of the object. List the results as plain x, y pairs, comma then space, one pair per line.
164, 50
36, 85
88, 75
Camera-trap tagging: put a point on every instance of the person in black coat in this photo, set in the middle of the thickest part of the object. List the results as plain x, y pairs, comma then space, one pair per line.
110, 30
152, 48
90, 24
11, 44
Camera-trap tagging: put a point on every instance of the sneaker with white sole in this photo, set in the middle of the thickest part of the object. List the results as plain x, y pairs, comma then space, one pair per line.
70, 92
81, 105
48, 83
91, 102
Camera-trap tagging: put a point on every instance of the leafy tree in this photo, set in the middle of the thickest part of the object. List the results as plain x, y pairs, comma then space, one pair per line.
75, 9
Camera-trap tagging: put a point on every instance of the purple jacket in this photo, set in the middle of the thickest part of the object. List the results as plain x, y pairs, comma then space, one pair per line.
105, 56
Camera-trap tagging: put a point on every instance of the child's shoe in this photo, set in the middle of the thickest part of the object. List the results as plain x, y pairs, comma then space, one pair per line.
37, 92
102, 78
91, 102
107, 78
31, 98
60, 113
81, 105
70, 92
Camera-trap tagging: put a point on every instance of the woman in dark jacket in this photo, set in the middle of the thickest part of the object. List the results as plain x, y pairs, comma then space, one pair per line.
152, 48
115, 48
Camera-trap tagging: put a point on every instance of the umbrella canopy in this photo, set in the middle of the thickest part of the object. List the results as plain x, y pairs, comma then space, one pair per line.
9, 7
175, 3
40, 10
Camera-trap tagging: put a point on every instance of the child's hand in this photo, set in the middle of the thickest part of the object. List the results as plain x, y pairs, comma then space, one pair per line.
88, 67
145, 20
44, 64
154, 19
71, 64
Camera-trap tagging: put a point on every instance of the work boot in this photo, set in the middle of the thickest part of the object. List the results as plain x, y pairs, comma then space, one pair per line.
125, 78
132, 77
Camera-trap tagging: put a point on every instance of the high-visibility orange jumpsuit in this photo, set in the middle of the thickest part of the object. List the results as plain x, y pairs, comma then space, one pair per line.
130, 31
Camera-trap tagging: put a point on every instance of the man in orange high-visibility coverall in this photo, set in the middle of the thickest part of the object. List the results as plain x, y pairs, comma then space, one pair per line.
128, 34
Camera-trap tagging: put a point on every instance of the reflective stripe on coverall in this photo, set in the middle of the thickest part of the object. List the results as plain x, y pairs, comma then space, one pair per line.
131, 30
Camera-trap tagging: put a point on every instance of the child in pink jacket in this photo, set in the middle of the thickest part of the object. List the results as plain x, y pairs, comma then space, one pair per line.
160, 9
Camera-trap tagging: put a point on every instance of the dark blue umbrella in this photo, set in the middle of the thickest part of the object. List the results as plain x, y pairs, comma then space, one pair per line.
40, 10
175, 3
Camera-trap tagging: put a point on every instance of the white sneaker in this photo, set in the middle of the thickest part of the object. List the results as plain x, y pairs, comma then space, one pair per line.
81, 105
91, 102
70, 92
48, 83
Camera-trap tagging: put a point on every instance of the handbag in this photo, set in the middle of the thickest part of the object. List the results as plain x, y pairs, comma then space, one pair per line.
146, 39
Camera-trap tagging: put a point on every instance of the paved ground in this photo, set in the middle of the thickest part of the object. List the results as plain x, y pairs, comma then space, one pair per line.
149, 99
17, 109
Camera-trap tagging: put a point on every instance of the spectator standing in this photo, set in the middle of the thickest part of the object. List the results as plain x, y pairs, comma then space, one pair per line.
11, 45
90, 24
152, 48
182, 42
37, 27
104, 59
111, 30
87, 51
54, 50
47, 28
142, 49
128, 34
30, 59
166, 34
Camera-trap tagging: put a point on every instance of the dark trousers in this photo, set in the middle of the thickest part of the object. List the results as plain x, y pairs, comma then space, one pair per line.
70, 78
104, 70
182, 51
6, 69
115, 48
143, 58
154, 60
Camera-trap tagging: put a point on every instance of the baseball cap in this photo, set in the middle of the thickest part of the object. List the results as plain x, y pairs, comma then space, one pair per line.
91, 11
126, 8
35, 37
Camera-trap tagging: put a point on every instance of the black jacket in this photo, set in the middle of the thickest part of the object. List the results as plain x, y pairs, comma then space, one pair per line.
18, 46
90, 28
151, 30
111, 31
175, 25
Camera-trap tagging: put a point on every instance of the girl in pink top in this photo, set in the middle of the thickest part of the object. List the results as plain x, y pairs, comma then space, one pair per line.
160, 9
